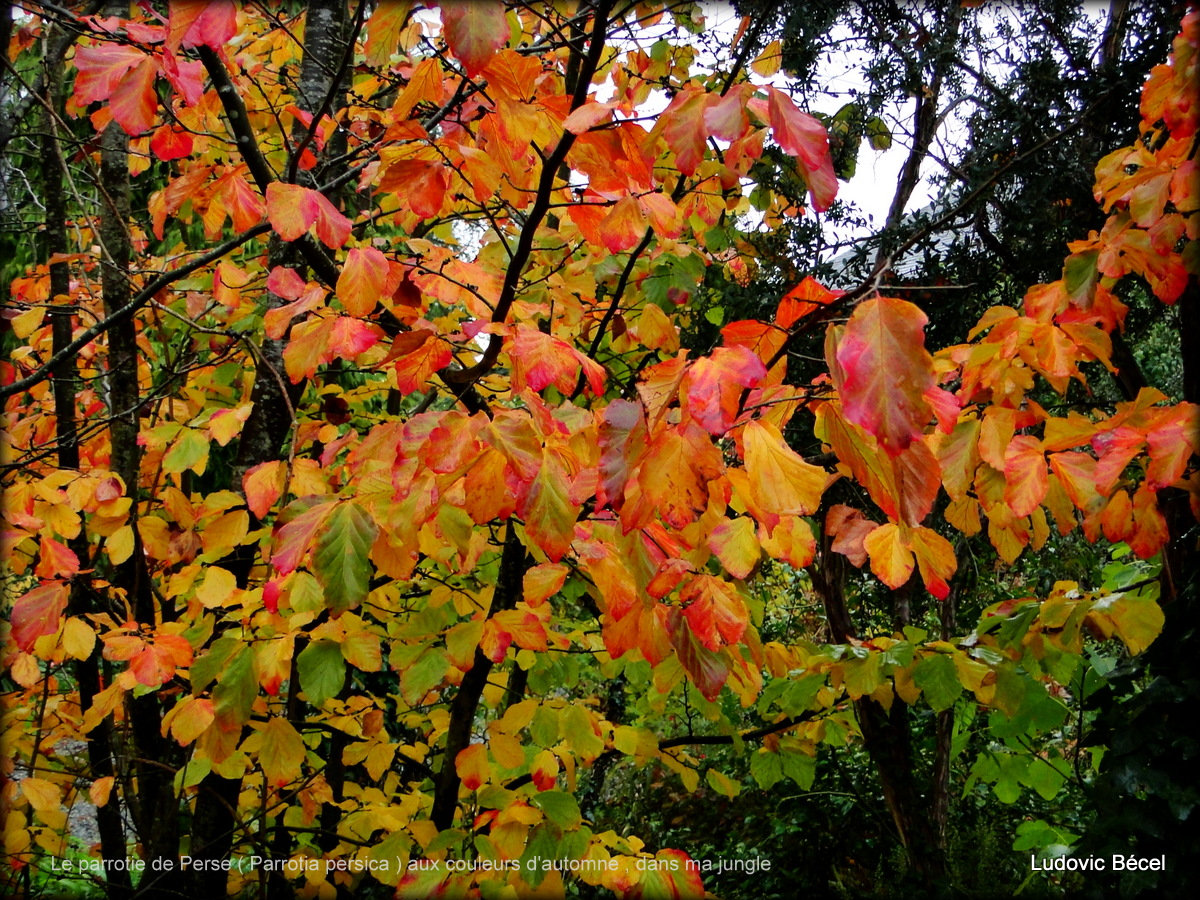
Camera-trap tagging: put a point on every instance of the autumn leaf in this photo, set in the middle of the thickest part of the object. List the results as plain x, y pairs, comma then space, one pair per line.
360, 284
38, 612
781, 482
282, 751
473, 31
886, 371
805, 138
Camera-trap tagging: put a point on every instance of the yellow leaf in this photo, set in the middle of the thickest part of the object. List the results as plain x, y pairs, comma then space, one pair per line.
282, 752
508, 752
191, 719
78, 638
225, 532
42, 795
780, 481
120, 545
767, 63
216, 588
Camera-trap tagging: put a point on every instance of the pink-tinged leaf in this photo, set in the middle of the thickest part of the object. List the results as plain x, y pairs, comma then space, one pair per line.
100, 70
56, 560
333, 229
186, 77
714, 385
735, 543
541, 360
805, 138
196, 23
588, 116
293, 209
169, 143
622, 436
935, 559
134, 102
360, 284
286, 283
886, 371
294, 539
38, 612
474, 31
683, 127
245, 204
624, 225
350, 338
891, 559
725, 117
848, 527
1026, 478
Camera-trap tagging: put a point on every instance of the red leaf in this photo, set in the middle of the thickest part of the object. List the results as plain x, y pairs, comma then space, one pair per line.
419, 184
169, 143
38, 612
714, 611
474, 31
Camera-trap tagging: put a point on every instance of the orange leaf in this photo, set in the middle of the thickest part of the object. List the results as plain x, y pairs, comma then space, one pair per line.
135, 101
891, 559
360, 284
1025, 476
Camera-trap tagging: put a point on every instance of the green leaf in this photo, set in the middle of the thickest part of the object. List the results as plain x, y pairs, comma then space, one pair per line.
206, 668
322, 671
341, 559
800, 767
560, 808
190, 451
237, 687
766, 768
936, 676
